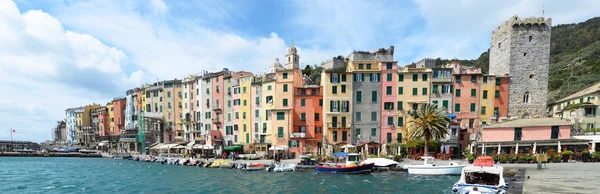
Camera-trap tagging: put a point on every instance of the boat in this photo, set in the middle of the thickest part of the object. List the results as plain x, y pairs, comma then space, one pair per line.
483, 176
430, 168
381, 162
252, 166
351, 166
281, 168
220, 163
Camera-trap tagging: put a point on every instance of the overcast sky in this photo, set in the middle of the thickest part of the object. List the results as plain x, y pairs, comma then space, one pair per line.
56, 54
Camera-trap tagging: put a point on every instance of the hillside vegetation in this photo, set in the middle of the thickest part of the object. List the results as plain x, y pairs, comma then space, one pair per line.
574, 58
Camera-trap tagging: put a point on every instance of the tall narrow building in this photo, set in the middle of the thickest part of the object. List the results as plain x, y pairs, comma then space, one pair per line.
520, 49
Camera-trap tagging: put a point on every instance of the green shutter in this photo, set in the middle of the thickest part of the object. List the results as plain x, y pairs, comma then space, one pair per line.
424, 91
485, 93
424, 77
279, 132
415, 91
472, 107
473, 92
457, 93
358, 96
400, 121
400, 90
400, 77
374, 96
415, 77
457, 107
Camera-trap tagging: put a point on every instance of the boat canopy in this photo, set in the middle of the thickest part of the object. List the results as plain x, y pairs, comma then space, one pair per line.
340, 154
233, 148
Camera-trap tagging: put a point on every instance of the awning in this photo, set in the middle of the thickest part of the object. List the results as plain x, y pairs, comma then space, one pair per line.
278, 148
190, 144
179, 147
101, 144
207, 147
233, 148
157, 146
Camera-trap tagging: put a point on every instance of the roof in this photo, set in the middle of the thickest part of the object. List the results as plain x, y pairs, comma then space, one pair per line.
587, 91
529, 123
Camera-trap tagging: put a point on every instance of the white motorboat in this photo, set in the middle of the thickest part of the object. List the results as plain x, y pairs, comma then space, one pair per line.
381, 162
282, 168
482, 177
430, 168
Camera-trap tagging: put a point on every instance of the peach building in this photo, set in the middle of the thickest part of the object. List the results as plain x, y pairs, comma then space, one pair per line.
306, 135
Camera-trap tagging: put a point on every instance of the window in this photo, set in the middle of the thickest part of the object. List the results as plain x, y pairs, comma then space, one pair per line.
457, 78
445, 104
388, 90
280, 116
496, 109
497, 81
357, 116
415, 77
334, 89
361, 66
285, 102
400, 77
472, 107
343, 88
400, 90
358, 77
357, 131
399, 137
580, 100
169, 105
524, 54
485, 79
375, 77
168, 94
424, 77
474, 78
373, 131
471, 123
285, 88
434, 102
415, 106
483, 109
344, 136
435, 89
415, 92
555, 131
343, 77
389, 137
320, 102
228, 116
400, 105
457, 93
400, 121
373, 96
245, 103
368, 66
335, 78
256, 113
473, 92
526, 97
390, 121
388, 106
257, 100
269, 87
485, 94
497, 94
388, 65
317, 117
530, 37
388, 77
285, 75
424, 91
303, 116
358, 96
373, 116
244, 115
518, 134
302, 102
457, 107
279, 132
334, 122
334, 136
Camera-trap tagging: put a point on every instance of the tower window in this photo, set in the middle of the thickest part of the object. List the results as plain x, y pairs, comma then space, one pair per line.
499, 44
524, 54
526, 97
530, 37
531, 76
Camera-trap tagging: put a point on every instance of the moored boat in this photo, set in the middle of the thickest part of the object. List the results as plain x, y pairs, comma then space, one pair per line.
430, 168
252, 166
351, 166
482, 177
282, 167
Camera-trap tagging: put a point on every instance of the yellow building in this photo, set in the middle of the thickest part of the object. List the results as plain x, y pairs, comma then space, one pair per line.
283, 101
486, 98
414, 87
79, 124
111, 118
336, 105
267, 106
245, 110
581, 107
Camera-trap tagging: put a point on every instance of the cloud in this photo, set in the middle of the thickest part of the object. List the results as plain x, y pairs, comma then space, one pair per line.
159, 7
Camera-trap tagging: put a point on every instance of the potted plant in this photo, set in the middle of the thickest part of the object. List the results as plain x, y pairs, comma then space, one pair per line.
556, 158
521, 159
585, 156
470, 158
397, 158
512, 159
495, 158
566, 155
502, 159
528, 158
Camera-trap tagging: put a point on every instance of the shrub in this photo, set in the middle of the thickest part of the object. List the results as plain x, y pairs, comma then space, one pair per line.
556, 157
503, 158
397, 158
567, 152
470, 156
585, 152
373, 156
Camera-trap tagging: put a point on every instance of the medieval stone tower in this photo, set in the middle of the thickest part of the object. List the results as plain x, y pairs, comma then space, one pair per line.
292, 59
520, 49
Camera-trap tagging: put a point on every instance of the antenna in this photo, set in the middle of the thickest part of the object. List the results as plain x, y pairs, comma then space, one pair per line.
542, 10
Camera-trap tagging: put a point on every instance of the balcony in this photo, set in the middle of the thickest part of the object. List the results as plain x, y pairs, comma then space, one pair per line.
260, 140
339, 125
298, 135
216, 121
216, 108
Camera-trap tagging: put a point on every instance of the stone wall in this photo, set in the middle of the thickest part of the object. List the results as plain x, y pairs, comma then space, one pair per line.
365, 107
520, 48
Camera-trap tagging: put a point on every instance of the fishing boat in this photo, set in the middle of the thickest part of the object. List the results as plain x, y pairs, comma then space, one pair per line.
381, 162
430, 168
252, 166
281, 167
483, 177
351, 166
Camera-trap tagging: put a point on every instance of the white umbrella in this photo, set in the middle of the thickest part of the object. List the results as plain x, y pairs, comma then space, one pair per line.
517, 149
471, 150
378, 150
534, 147
384, 148
483, 149
593, 146
499, 149
559, 149
367, 149
346, 149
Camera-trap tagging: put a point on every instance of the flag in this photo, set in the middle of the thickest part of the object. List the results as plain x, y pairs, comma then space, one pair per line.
14, 131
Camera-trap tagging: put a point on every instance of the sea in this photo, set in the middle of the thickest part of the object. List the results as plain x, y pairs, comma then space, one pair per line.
99, 175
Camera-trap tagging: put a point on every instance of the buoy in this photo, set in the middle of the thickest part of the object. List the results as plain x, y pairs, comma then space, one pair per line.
150, 166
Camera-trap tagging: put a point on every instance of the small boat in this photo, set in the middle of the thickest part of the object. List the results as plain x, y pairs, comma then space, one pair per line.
252, 166
430, 168
482, 177
220, 163
381, 162
281, 168
351, 166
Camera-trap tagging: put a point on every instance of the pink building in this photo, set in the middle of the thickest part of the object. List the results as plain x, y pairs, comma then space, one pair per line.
119, 115
389, 121
527, 130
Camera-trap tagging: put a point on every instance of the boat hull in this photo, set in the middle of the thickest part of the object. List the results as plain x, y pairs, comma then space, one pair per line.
435, 170
468, 188
364, 168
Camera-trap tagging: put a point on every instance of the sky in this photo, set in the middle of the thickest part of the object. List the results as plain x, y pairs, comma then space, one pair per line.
56, 54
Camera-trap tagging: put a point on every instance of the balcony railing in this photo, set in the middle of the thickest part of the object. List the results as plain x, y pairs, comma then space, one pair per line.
216, 121
339, 125
260, 140
298, 135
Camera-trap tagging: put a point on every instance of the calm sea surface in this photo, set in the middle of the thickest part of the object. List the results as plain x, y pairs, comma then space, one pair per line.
95, 175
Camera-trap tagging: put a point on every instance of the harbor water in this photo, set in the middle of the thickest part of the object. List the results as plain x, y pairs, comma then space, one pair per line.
98, 175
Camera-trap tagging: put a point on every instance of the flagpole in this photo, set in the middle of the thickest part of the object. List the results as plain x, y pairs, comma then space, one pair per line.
11, 141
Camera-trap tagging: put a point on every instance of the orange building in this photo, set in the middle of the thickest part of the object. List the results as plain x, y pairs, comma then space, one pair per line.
501, 97
307, 132
118, 109
467, 86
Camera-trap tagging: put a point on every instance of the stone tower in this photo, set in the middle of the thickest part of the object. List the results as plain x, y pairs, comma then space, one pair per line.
292, 59
520, 49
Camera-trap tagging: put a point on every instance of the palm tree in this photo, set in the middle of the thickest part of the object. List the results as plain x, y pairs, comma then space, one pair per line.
429, 122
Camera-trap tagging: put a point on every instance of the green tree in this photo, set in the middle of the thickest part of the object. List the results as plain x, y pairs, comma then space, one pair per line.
429, 122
